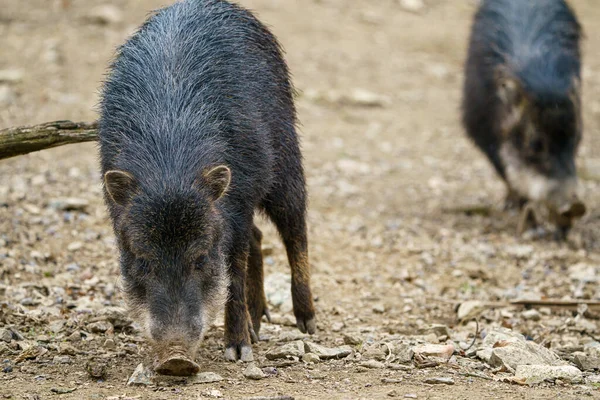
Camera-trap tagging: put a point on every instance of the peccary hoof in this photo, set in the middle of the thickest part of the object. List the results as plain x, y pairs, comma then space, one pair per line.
177, 366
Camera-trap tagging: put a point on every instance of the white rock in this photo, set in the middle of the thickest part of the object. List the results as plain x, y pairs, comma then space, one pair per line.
253, 372
412, 5
7, 95
293, 349
11, 75
435, 350
325, 353
141, 376
532, 374
469, 310
105, 14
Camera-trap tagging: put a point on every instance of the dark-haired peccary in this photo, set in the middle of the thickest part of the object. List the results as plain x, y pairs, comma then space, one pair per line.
521, 103
197, 132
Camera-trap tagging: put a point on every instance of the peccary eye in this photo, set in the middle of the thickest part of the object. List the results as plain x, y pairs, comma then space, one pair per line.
200, 262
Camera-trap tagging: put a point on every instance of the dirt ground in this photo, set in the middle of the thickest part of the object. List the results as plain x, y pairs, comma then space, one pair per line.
406, 218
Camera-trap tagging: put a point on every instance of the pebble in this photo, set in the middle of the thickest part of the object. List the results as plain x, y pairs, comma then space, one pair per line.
110, 344
352, 340
61, 360
141, 376
532, 315
469, 310
410, 396
206, 377
74, 337
435, 350
104, 14
6, 335
403, 353
379, 309
293, 349
326, 353
337, 326
510, 349
100, 327
69, 204
310, 358
96, 369
372, 364
74, 246
7, 95
440, 380
11, 75
533, 374
413, 6
253, 372
585, 362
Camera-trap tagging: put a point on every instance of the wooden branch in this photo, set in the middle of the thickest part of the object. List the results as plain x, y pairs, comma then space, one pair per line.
26, 139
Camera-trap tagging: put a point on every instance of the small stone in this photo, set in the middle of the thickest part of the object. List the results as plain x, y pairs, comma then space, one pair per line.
372, 364
352, 340
293, 349
291, 336
104, 14
435, 350
379, 309
142, 376
253, 372
510, 349
411, 396
11, 75
74, 337
74, 246
6, 335
96, 369
469, 310
440, 380
364, 98
533, 374
392, 393
69, 204
7, 95
61, 360
532, 315
110, 344
585, 362
310, 358
215, 393
403, 353
56, 326
100, 327
374, 352
67, 349
337, 326
207, 377
413, 6
436, 329
326, 353
522, 251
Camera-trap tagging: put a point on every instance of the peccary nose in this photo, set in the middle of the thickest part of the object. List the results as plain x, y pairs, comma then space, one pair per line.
573, 209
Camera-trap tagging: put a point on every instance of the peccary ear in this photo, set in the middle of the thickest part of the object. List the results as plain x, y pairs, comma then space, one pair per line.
217, 180
120, 186
509, 88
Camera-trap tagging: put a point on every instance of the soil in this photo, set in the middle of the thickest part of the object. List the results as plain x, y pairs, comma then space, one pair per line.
406, 217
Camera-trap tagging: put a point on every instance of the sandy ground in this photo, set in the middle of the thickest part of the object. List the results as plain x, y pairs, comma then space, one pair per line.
389, 173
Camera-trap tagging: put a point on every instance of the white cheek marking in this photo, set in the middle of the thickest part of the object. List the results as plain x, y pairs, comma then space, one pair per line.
525, 180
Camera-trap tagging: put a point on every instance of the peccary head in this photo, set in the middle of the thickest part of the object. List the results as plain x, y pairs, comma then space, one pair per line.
172, 257
541, 133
